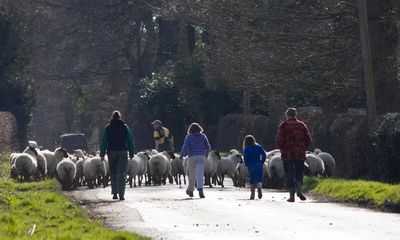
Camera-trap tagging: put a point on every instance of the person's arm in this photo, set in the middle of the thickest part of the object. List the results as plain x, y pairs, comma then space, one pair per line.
185, 147
171, 141
156, 138
104, 143
279, 136
307, 136
263, 154
131, 142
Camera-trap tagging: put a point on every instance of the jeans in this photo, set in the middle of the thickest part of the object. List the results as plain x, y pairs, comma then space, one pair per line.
118, 161
195, 172
294, 170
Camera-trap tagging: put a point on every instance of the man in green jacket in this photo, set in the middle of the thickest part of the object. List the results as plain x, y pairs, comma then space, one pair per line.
117, 141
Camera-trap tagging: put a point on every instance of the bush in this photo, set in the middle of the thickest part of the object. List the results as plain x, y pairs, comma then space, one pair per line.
387, 145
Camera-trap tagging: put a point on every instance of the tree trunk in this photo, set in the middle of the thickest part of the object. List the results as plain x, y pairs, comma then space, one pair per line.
367, 63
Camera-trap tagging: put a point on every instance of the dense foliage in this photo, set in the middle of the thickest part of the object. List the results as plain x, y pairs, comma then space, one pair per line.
387, 146
16, 95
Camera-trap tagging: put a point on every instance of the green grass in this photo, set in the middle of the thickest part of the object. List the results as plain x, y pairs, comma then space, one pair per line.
369, 193
23, 205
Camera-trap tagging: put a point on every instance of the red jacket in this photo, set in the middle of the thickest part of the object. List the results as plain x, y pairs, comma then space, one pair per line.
292, 139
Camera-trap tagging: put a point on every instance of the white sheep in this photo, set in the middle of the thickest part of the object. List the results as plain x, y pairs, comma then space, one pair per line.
211, 167
178, 170
314, 165
227, 166
275, 171
329, 163
41, 169
132, 170
272, 153
24, 166
53, 158
79, 178
142, 158
13, 156
232, 152
242, 175
66, 172
94, 169
160, 167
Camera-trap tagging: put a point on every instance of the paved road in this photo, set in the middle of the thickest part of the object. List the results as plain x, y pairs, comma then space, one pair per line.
165, 212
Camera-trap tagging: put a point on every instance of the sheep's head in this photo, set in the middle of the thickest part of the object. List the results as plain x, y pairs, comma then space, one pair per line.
64, 152
33, 150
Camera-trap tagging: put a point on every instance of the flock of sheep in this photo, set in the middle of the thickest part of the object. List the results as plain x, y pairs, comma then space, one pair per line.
79, 169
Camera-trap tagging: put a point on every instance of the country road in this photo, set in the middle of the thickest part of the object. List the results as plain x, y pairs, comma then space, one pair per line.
164, 212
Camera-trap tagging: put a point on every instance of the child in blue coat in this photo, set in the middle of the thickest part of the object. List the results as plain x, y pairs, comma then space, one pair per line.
254, 157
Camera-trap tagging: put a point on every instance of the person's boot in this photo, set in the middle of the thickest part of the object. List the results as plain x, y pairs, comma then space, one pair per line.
259, 191
299, 192
291, 192
189, 193
252, 193
115, 196
201, 193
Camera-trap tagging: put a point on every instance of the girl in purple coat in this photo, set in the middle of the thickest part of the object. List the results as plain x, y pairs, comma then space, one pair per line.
197, 147
254, 157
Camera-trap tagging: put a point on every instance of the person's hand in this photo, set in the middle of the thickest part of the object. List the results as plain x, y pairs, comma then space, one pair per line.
102, 159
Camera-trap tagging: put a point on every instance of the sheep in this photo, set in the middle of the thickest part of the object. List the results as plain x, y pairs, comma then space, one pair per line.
66, 172
79, 173
13, 156
177, 170
329, 163
132, 170
233, 152
275, 171
272, 153
314, 165
227, 166
41, 169
53, 158
24, 166
242, 174
142, 159
160, 167
94, 168
211, 167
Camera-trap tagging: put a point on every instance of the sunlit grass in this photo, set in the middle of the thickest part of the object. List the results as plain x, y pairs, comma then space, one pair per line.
41, 204
357, 191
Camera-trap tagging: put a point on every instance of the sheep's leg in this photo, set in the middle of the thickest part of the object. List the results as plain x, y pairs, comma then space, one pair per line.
134, 181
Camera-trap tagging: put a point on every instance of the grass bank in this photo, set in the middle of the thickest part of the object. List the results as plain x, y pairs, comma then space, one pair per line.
38, 210
366, 193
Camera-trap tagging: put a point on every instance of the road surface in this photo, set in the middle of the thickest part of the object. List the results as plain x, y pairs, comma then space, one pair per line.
165, 212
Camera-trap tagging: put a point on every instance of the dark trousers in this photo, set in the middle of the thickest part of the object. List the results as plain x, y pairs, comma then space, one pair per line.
118, 161
294, 170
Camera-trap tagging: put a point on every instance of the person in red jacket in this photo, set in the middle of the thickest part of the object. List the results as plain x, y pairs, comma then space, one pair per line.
292, 139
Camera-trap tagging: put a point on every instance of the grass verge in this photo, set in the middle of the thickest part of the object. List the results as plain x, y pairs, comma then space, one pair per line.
366, 193
38, 210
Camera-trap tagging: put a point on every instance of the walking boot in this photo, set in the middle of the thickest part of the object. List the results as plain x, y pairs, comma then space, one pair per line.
299, 192
252, 193
259, 191
115, 196
291, 192
201, 193
189, 193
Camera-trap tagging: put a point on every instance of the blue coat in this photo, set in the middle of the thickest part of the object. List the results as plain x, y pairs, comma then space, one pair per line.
254, 157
